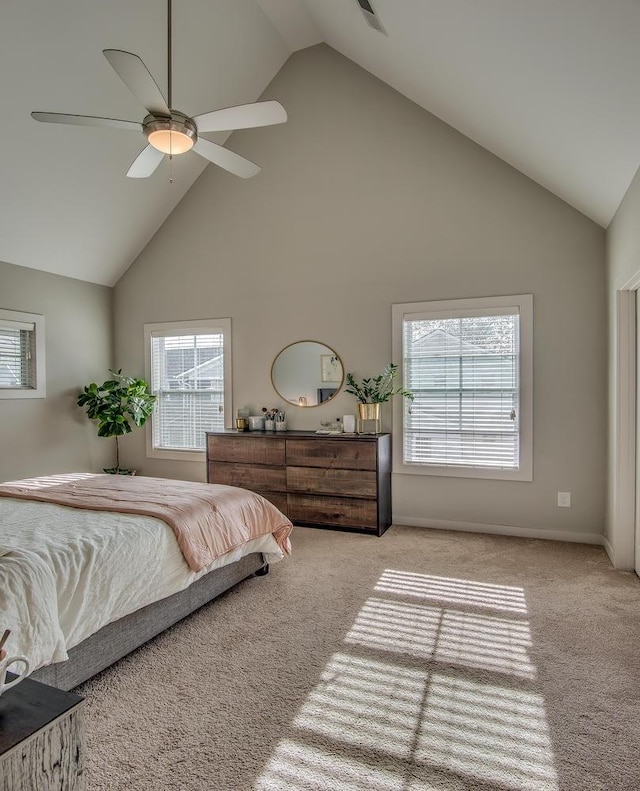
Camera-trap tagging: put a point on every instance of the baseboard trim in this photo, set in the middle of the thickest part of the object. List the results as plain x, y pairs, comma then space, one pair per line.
624, 566
608, 549
504, 530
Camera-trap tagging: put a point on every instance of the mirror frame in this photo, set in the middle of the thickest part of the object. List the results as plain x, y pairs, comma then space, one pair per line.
330, 350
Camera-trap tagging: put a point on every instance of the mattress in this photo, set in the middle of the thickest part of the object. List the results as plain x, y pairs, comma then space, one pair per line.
67, 572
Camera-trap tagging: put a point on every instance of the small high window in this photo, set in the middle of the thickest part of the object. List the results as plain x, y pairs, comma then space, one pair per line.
22, 369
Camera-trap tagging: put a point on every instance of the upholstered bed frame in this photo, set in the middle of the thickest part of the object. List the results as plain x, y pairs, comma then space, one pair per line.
119, 638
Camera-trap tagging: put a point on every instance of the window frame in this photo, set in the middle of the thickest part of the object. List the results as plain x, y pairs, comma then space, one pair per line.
18, 318
524, 304
195, 327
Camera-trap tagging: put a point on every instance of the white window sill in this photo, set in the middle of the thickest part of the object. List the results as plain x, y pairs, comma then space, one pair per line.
176, 455
522, 474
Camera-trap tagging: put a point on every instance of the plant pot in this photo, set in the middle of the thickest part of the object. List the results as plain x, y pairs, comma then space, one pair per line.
369, 419
369, 411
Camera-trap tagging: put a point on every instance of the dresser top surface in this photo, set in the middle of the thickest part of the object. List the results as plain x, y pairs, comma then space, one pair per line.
292, 434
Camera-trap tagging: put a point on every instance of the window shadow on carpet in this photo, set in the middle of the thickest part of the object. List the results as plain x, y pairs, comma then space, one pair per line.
434, 688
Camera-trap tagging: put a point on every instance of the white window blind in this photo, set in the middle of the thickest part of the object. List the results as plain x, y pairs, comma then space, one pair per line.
21, 355
463, 372
17, 357
188, 378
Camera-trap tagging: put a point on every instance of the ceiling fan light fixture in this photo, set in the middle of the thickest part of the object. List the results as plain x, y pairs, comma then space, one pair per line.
170, 142
175, 135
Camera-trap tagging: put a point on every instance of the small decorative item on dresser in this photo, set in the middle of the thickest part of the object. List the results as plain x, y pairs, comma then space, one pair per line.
270, 417
242, 423
349, 424
256, 423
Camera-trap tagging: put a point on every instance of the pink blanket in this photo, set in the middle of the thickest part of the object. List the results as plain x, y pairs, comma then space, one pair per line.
208, 520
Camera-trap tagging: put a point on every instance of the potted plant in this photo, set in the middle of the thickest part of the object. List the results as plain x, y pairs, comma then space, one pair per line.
115, 404
375, 390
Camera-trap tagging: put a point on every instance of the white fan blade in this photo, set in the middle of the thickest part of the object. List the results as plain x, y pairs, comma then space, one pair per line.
137, 77
244, 116
145, 163
226, 159
86, 120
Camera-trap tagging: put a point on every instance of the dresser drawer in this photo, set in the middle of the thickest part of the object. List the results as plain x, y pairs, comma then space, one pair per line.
279, 499
256, 477
333, 511
256, 450
316, 480
342, 453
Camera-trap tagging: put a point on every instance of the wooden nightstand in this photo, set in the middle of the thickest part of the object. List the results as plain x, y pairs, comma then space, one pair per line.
41, 739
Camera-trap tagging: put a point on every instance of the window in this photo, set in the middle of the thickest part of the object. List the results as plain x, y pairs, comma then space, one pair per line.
189, 370
22, 371
469, 365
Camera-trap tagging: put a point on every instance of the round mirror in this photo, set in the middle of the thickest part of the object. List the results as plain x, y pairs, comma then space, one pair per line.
307, 373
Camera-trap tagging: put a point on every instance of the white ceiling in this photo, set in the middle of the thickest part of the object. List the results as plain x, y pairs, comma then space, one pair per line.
550, 87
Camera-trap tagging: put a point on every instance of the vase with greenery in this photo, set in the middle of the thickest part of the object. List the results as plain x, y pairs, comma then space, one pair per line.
377, 389
373, 391
115, 405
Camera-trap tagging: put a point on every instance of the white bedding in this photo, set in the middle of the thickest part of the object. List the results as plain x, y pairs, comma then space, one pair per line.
65, 572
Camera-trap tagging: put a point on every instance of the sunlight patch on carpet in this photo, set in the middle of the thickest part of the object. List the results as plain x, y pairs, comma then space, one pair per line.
299, 767
434, 689
453, 591
447, 635
367, 703
486, 731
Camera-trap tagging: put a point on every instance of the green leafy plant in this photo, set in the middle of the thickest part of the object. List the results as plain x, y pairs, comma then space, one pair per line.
377, 389
116, 404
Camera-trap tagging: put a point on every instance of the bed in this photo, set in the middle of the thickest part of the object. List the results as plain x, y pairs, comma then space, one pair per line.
92, 566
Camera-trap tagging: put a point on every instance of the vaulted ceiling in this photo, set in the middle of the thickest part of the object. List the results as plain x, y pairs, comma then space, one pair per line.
550, 87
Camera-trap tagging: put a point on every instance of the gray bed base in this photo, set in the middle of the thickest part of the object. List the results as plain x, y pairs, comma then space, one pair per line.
119, 638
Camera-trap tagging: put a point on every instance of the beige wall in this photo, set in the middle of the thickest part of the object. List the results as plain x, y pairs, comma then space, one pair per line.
365, 200
623, 265
42, 436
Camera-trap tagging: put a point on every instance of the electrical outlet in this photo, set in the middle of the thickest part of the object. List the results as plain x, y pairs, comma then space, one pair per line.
564, 499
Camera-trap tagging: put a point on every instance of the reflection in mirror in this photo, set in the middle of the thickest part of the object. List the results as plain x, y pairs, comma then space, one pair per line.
307, 373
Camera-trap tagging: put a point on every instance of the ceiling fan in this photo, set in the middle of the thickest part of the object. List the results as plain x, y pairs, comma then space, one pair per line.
169, 131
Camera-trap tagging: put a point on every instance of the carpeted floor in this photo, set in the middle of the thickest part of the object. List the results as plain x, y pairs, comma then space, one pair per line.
420, 660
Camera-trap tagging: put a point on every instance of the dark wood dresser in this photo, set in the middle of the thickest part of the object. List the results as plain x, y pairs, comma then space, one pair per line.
337, 481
